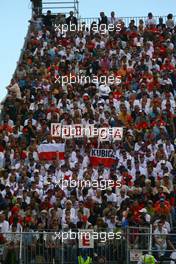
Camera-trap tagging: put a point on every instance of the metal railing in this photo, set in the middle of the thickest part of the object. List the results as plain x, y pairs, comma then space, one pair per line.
63, 6
41, 247
126, 20
143, 239
48, 248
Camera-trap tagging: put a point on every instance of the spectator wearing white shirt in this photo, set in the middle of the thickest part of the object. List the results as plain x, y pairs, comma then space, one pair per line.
113, 19
163, 163
104, 91
121, 197
166, 224
85, 211
4, 225
34, 122
173, 257
112, 223
111, 197
80, 39
15, 89
170, 21
8, 121
160, 237
97, 197
151, 21
73, 159
68, 207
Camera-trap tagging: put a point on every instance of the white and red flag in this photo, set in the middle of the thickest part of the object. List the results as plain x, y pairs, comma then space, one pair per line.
102, 156
51, 151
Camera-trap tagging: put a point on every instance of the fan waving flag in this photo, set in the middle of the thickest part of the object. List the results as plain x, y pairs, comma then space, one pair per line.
102, 156
51, 151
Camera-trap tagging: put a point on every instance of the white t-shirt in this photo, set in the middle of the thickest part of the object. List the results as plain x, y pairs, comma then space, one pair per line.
4, 226
173, 256
111, 198
159, 235
104, 90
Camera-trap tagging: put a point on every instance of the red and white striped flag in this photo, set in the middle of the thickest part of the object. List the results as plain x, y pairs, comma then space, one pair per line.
51, 151
102, 156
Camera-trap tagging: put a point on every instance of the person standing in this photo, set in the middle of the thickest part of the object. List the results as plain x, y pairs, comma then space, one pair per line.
103, 19
147, 259
71, 20
37, 6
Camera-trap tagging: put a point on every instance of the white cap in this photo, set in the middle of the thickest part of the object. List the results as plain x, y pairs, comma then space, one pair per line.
101, 101
41, 102
44, 211
143, 210
46, 183
85, 94
17, 166
166, 175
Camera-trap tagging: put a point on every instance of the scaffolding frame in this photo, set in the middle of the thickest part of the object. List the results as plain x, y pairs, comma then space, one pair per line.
63, 6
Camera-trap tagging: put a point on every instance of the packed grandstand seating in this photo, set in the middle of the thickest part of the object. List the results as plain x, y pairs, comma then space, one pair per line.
143, 104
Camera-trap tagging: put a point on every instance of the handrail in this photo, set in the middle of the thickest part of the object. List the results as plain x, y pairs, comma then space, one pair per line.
126, 20
55, 6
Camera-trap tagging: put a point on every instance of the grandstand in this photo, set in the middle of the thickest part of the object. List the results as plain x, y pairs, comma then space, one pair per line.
120, 189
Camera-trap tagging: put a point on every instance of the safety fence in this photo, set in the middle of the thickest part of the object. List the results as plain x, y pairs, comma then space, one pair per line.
108, 247
64, 6
126, 20
147, 240
53, 248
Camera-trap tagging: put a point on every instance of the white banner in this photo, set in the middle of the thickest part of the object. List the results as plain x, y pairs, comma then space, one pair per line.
86, 238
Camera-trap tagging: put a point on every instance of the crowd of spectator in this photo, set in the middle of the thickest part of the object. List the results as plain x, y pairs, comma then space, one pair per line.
143, 55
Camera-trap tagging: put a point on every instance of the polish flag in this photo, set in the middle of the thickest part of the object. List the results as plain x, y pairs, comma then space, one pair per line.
102, 156
51, 151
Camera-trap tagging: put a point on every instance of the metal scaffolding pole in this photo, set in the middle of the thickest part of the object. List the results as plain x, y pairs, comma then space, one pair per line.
64, 6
